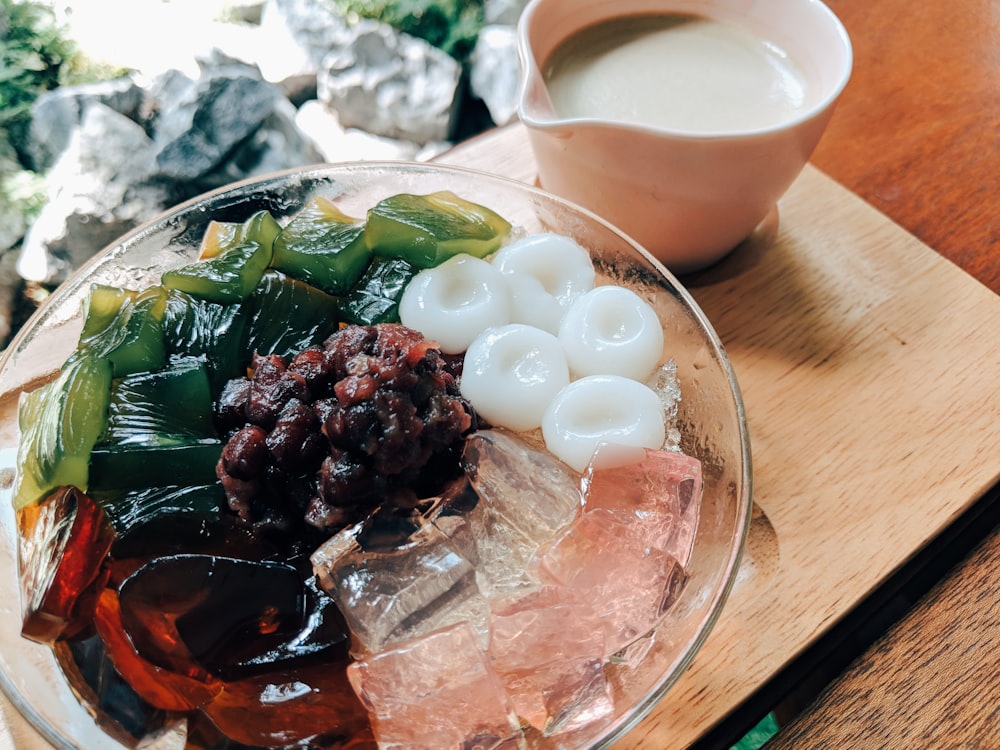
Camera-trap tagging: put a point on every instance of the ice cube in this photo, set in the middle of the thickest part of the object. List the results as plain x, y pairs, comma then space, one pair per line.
661, 489
667, 387
391, 592
526, 497
606, 559
548, 649
538, 493
436, 691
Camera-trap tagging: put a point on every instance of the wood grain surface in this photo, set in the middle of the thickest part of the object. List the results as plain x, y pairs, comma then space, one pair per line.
917, 131
932, 681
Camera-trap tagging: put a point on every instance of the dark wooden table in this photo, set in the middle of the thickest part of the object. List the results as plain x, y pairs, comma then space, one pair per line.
932, 681
917, 135
917, 132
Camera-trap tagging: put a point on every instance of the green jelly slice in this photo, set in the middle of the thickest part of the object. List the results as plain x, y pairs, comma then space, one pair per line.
128, 511
194, 327
323, 247
287, 315
124, 326
60, 423
232, 274
132, 467
375, 299
172, 406
426, 230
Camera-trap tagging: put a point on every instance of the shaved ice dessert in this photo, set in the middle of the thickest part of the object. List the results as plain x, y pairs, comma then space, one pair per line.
407, 480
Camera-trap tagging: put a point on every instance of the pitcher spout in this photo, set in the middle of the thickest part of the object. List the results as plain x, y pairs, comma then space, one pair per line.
534, 105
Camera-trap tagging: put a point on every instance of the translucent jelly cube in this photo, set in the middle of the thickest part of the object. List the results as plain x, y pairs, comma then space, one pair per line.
548, 649
393, 592
629, 582
526, 496
667, 387
661, 489
436, 691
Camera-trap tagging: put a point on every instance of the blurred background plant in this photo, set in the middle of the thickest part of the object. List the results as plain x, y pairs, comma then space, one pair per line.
36, 56
451, 25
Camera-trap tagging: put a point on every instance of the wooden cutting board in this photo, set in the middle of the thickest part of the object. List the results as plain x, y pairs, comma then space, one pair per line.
868, 365
870, 369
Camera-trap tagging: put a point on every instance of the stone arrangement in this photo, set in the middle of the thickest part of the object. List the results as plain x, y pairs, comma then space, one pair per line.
296, 84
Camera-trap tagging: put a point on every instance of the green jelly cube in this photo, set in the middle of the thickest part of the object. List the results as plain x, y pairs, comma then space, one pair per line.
286, 315
215, 332
172, 406
322, 247
124, 326
132, 467
232, 274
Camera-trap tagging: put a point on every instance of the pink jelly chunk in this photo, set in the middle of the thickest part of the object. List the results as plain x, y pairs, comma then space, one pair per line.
606, 559
548, 649
436, 691
661, 489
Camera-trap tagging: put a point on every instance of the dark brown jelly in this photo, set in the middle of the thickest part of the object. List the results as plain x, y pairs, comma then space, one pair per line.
63, 542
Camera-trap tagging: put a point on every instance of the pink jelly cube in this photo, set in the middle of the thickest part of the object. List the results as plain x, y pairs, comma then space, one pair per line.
548, 649
660, 489
610, 564
436, 691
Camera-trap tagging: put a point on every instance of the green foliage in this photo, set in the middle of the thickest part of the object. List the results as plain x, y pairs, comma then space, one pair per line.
35, 56
32, 51
451, 25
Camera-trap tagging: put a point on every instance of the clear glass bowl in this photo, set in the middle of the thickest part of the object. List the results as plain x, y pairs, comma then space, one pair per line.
711, 416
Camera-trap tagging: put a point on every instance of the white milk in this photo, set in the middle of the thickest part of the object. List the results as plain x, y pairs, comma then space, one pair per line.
678, 72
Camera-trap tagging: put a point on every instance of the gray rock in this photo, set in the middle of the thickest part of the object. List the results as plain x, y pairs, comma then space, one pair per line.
274, 146
337, 144
218, 63
202, 133
494, 72
391, 84
55, 114
165, 95
174, 96
97, 191
296, 36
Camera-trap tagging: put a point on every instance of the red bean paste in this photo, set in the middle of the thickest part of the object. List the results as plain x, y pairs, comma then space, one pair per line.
371, 418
